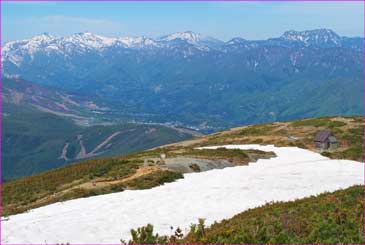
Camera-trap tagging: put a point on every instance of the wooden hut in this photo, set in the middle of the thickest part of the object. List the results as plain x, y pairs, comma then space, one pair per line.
325, 140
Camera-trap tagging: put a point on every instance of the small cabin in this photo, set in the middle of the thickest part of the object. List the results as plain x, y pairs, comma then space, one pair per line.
325, 140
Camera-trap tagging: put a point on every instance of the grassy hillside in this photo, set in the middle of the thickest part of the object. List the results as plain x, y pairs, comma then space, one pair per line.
34, 140
330, 218
135, 171
349, 132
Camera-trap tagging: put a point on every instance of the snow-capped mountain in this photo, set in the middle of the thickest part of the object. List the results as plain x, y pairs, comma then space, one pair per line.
138, 42
188, 36
87, 40
48, 49
320, 37
17, 52
161, 75
240, 43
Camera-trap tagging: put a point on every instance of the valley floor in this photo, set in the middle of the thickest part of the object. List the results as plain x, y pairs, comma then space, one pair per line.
213, 195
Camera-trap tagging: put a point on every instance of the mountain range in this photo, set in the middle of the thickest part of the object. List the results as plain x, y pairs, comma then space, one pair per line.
197, 81
87, 83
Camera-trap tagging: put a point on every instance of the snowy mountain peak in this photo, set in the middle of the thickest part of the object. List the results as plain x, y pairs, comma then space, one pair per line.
236, 40
318, 36
45, 44
88, 39
139, 42
188, 36
43, 37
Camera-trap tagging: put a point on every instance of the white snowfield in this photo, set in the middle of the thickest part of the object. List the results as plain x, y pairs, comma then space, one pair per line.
213, 195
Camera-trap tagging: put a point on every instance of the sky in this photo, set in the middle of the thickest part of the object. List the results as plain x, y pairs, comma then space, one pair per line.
223, 20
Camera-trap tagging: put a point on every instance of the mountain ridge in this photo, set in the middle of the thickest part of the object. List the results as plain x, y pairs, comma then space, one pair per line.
321, 35
238, 82
86, 40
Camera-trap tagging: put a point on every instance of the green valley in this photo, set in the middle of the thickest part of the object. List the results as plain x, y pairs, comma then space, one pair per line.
38, 141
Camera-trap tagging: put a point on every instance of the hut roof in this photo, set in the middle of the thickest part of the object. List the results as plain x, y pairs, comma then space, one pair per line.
322, 135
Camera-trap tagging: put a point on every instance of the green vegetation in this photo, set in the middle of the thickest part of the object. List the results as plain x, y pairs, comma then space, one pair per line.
330, 218
18, 195
64, 183
258, 130
327, 218
318, 122
34, 140
349, 132
144, 182
144, 235
153, 179
236, 156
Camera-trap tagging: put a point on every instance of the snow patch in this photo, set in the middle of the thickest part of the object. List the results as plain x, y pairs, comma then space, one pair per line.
214, 195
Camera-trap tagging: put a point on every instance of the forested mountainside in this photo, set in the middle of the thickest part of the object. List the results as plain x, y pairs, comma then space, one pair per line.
238, 82
45, 128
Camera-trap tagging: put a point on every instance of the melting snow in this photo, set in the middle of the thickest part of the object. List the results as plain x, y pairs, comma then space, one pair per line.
214, 195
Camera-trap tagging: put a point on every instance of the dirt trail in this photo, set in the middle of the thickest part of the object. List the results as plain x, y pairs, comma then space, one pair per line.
102, 183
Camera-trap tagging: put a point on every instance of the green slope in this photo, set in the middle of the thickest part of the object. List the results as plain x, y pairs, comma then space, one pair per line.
34, 140
330, 218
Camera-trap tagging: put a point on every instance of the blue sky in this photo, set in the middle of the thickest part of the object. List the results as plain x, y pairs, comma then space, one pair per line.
224, 20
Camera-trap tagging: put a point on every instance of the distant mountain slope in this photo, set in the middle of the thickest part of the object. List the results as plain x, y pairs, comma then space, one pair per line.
23, 93
36, 141
40, 133
237, 82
